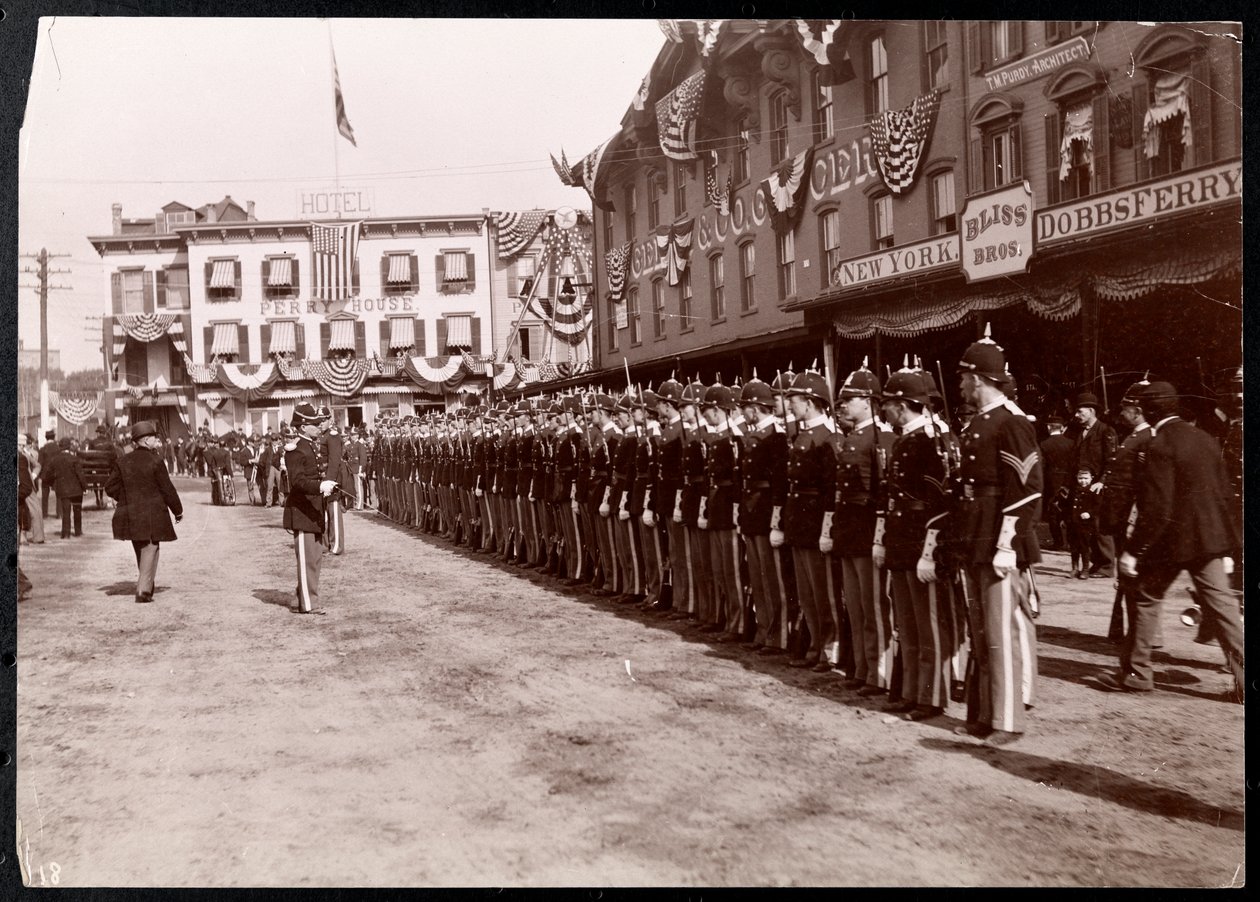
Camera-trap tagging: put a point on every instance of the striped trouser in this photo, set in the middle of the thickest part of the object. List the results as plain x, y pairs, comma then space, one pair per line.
1004, 643
765, 577
607, 550
680, 566
630, 553
812, 578
725, 553
870, 617
702, 574
335, 526
653, 556
923, 628
309, 548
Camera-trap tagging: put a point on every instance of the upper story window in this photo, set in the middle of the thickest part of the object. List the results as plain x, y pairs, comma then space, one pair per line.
1172, 104
717, 288
172, 288
824, 109
829, 231
1061, 31
399, 273
521, 275
133, 291
1078, 148
223, 279
741, 163
608, 231
631, 207
747, 277
995, 43
936, 54
877, 76
1167, 130
882, 209
681, 174
280, 277
633, 316
944, 208
613, 324
685, 316
997, 154
785, 247
658, 308
778, 127
456, 271
654, 204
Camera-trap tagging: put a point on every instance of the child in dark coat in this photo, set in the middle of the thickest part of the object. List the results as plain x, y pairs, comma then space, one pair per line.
1083, 523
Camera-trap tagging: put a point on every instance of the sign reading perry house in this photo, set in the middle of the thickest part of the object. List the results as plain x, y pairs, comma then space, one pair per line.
895, 262
1030, 68
996, 233
1139, 204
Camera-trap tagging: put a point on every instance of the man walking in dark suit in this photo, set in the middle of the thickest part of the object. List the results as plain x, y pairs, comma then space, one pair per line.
47, 452
304, 505
146, 498
1057, 459
1183, 523
66, 475
1094, 449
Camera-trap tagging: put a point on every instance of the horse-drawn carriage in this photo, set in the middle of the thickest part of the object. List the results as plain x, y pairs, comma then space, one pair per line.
96, 469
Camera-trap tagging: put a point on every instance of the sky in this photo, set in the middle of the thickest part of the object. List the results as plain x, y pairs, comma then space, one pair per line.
450, 116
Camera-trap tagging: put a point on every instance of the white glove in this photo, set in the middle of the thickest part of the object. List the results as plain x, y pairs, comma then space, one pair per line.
604, 509
1096, 487
1128, 565
678, 506
877, 555
926, 568
776, 538
1228, 564
649, 518
702, 521
1004, 557
824, 539
480, 493
574, 505
532, 499
622, 513
326, 487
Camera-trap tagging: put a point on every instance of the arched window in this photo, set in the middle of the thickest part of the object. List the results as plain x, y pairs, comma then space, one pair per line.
1077, 133
997, 153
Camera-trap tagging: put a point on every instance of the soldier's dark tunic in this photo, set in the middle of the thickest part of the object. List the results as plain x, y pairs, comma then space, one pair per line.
811, 494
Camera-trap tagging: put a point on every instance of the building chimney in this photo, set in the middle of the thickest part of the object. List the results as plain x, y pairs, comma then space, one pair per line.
212, 215
116, 209
249, 210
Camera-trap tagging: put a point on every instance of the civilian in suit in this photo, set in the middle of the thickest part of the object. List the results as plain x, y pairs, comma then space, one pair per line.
1184, 522
1058, 453
66, 475
1094, 449
332, 457
46, 453
146, 499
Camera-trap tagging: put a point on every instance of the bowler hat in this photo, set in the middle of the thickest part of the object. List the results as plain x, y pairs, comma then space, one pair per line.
1086, 399
144, 427
50, 434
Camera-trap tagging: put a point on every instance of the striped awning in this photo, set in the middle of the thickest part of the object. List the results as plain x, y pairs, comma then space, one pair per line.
456, 266
224, 274
402, 332
399, 269
224, 340
459, 332
283, 340
342, 335
281, 274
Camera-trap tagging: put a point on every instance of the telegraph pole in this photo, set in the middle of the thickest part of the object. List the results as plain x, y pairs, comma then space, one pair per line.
42, 273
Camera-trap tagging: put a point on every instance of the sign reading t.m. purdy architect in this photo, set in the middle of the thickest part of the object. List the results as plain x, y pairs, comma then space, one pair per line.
1032, 67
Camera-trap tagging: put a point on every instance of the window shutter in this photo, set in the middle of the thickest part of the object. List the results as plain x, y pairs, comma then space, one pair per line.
476, 335
325, 336
264, 342
236, 275
208, 334
1015, 33
147, 281
1141, 103
385, 349
139, 359
441, 337
115, 290
1052, 156
1102, 144
471, 266
415, 274
1017, 153
1052, 33
977, 166
299, 341
974, 47
160, 281
439, 268
209, 270
419, 338
1201, 109
242, 343
266, 276
360, 340
385, 273
293, 271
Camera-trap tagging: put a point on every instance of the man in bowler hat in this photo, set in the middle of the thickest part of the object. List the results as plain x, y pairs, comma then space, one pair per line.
146, 499
1095, 447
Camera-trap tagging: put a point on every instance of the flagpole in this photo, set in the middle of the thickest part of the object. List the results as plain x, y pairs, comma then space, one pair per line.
332, 74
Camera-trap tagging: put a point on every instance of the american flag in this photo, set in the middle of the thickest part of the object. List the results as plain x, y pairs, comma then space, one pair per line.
676, 116
721, 199
335, 250
339, 102
898, 138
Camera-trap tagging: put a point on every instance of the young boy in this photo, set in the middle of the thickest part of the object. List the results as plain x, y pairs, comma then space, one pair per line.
1083, 524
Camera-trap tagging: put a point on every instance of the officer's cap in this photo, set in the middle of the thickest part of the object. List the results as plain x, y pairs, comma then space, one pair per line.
305, 414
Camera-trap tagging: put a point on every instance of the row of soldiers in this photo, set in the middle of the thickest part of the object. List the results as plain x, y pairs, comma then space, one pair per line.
892, 550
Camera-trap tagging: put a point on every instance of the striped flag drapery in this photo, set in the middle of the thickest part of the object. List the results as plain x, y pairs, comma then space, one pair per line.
517, 230
75, 411
719, 197
339, 103
674, 247
785, 191
616, 265
678, 117
898, 138
588, 173
334, 250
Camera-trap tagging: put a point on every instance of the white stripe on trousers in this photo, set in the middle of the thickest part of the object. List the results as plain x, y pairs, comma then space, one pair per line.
784, 626
739, 581
938, 664
1008, 663
832, 651
691, 573
334, 519
304, 591
879, 580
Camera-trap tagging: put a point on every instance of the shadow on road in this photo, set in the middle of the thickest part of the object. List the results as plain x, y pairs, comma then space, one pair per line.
274, 596
127, 587
1066, 638
1096, 782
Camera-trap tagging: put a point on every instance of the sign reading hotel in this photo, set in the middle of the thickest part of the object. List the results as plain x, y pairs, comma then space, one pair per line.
897, 262
1139, 204
335, 202
1030, 68
996, 235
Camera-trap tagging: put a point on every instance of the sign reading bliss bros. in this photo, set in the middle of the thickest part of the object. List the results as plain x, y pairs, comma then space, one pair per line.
996, 236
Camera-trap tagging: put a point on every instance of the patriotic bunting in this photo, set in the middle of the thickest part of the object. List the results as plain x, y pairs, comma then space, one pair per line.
436, 375
674, 248
246, 382
588, 175
785, 191
517, 230
707, 34
200, 374
898, 138
76, 411
176, 335
569, 317
720, 198
334, 249
343, 377
507, 378
563, 169
672, 30
147, 327
678, 116
616, 267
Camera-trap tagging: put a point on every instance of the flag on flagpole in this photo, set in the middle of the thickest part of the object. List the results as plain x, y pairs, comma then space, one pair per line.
335, 250
343, 122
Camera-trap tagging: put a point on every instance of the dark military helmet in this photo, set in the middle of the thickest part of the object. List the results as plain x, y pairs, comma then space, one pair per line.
1159, 399
756, 392
693, 393
605, 402
985, 358
305, 414
626, 403
783, 380
671, 391
555, 408
649, 399
719, 396
1133, 394
861, 383
906, 385
811, 385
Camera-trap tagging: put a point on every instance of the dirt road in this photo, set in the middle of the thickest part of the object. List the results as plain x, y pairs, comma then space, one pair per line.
452, 722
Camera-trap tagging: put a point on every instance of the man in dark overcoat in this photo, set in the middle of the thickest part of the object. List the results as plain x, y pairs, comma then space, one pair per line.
141, 486
304, 505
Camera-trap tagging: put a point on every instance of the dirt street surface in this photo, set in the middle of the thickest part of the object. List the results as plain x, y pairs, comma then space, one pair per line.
450, 721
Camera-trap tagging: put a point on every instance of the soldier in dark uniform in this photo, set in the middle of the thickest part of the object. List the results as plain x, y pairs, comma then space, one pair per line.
642, 519
914, 510
764, 491
1184, 522
1000, 485
695, 488
808, 513
862, 458
721, 511
629, 543
304, 506
332, 459
666, 497
603, 452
